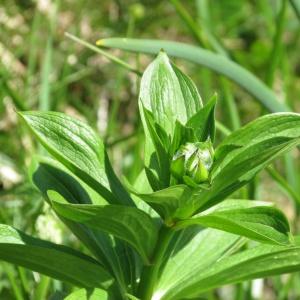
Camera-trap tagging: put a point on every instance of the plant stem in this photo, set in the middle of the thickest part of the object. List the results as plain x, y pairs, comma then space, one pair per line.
150, 273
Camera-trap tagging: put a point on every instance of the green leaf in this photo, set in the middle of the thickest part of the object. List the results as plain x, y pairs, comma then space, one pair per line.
126, 223
206, 58
53, 260
203, 122
76, 146
246, 152
258, 262
193, 251
245, 218
268, 126
167, 202
168, 93
161, 156
49, 175
90, 294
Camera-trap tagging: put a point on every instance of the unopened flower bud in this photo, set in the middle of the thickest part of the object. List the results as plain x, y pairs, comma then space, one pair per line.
193, 160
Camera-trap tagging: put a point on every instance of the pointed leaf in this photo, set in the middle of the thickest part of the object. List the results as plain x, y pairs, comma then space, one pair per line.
246, 218
115, 255
258, 262
168, 93
194, 251
53, 260
76, 146
203, 122
126, 223
167, 202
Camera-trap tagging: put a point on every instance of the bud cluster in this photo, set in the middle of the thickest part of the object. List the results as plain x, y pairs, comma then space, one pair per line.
193, 160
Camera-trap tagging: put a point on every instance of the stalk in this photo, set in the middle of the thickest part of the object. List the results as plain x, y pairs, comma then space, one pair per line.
150, 273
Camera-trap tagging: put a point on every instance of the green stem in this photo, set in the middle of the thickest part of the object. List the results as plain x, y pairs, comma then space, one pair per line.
150, 273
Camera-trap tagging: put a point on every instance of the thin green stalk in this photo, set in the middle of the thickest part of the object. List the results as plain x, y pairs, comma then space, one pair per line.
104, 53
150, 273
190, 23
14, 284
24, 279
284, 184
42, 288
277, 45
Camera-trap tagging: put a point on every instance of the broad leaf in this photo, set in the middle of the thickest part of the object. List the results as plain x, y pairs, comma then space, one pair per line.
56, 261
167, 202
126, 223
168, 93
258, 262
193, 251
203, 122
115, 255
76, 146
246, 152
245, 218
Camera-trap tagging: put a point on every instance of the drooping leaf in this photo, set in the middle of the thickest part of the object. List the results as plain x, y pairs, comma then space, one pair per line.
115, 255
206, 58
258, 262
245, 218
126, 223
203, 122
53, 260
76, 146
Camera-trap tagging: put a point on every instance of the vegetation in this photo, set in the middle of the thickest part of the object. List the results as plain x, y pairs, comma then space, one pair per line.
167, 204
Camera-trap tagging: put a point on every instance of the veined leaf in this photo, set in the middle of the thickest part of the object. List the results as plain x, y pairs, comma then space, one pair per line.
206, 58
91, 294
168, 201
247, 151
115, 255
245, 218
194, 251
266, 127
258, 262
56, 261
126, 223
168, 93
76, 146
170, 96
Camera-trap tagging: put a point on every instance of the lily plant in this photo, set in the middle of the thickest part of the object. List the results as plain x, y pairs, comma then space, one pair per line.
174, 234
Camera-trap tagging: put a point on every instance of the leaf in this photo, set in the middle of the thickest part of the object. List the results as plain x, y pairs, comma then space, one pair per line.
115, 255
245, 218
258, 262
246, 152
90, 294
206, 58
193, 251
203, 122
53, 260
76, 146
167, 202
162, 165
265, 127
168, 93
126, 223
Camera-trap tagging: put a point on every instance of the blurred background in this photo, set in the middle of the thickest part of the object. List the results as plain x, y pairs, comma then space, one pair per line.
41, 68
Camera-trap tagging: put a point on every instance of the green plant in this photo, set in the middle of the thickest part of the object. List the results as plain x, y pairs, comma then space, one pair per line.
148, 241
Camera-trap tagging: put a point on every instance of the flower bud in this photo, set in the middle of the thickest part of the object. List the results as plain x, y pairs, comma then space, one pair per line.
193, 160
